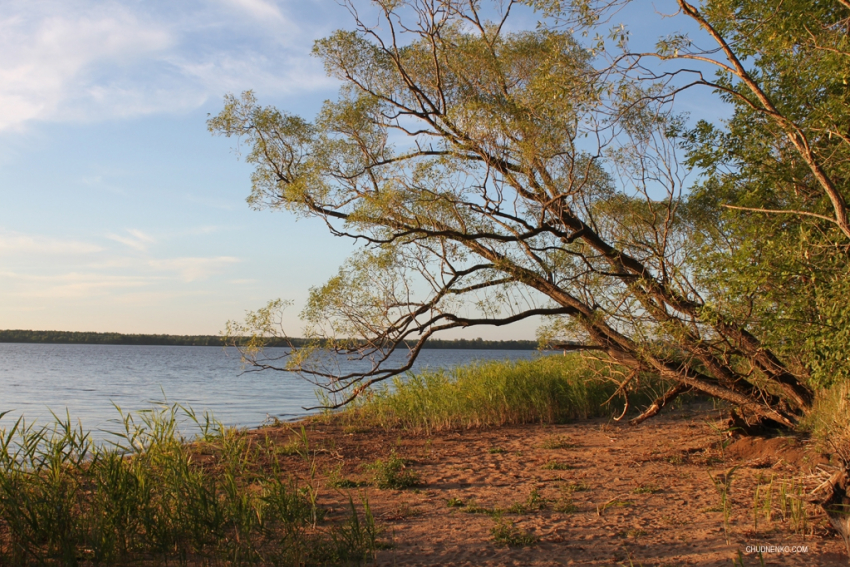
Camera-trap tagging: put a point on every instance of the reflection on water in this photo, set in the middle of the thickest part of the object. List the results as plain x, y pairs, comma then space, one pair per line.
88, 379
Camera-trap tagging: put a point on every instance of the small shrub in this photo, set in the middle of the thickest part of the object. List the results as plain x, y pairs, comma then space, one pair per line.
506, 533
392, 473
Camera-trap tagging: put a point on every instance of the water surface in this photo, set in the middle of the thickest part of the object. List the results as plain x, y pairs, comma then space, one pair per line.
86, 380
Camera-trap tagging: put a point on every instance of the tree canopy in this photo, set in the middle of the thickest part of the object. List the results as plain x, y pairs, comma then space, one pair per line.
494, 174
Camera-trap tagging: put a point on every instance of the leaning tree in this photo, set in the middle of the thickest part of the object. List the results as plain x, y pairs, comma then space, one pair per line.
492, 176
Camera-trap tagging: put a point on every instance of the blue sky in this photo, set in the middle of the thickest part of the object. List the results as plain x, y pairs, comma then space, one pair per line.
120, 212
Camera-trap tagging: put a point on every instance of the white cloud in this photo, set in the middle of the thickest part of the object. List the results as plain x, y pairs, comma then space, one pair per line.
25, 244
191, 269
259, 9
137, 240
89, 60
140, 235
71, 285
47, 49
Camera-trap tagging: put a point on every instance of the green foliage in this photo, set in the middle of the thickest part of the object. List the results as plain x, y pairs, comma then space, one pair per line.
529, 183
552, 389
66, 501
787, 273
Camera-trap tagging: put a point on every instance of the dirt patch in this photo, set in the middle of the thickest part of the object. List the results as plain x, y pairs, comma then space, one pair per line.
588, 493
770, 451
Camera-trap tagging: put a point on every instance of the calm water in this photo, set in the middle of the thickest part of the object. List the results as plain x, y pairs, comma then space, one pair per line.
88, 379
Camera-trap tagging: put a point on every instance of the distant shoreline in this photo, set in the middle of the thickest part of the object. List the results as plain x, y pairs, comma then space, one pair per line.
72, 337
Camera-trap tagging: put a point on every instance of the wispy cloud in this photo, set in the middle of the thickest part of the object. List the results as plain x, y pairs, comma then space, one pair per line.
37, 245
191, 269
49, 49
137, 240
71, 285
85, 60
259, 9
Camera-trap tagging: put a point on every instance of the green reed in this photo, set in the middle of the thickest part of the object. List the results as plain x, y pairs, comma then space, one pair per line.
551, 389
789, 496
150, 495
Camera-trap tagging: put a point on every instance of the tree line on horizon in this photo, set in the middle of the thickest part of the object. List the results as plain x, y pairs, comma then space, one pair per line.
78, 337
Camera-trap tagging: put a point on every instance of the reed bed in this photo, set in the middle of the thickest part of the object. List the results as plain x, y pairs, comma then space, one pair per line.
151, 498
551, 389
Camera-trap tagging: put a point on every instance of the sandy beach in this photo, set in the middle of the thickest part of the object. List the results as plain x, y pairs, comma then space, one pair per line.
588, 493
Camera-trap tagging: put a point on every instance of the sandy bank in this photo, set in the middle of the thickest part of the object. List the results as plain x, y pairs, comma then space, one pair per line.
591, 493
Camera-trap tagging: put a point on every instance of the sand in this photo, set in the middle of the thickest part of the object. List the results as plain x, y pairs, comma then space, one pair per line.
648, 495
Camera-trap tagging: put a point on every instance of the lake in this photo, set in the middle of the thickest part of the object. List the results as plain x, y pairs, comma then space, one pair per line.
88, 379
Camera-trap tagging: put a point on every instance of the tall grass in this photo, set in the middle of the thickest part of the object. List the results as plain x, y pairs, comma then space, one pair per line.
551, 389
829, 420
150, 496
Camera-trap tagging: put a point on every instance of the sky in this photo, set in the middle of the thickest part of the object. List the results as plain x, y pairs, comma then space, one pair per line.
119, 212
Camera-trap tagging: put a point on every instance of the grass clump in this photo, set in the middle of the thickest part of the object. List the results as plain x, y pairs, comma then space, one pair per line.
613, 503
646, 489
551, 389
338, 481
505, 532
565, 505
556, 442
392, 473
151, 496
576, 487
534, 503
